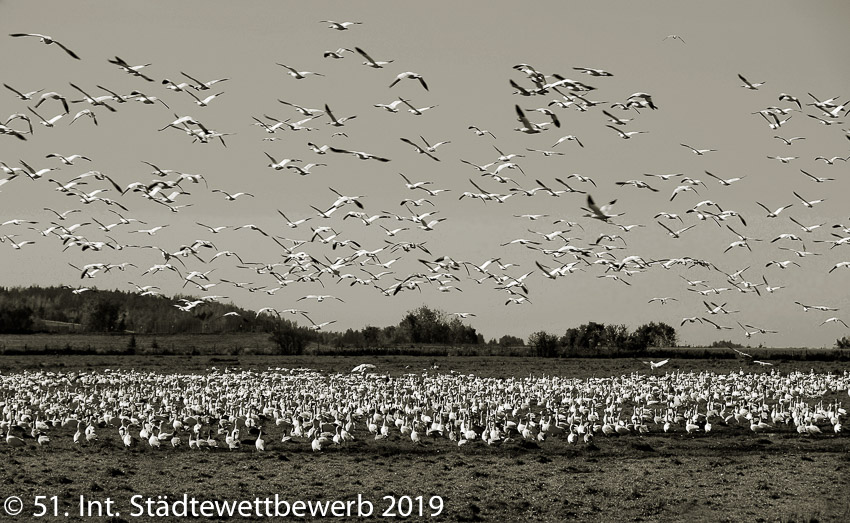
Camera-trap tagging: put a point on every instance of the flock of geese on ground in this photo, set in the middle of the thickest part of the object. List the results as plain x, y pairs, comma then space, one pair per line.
336, 241
286, 408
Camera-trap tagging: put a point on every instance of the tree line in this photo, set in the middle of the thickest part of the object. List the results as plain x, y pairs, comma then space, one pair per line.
592, 338
32, 309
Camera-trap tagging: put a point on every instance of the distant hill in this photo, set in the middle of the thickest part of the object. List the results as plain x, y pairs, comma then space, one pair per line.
49, 309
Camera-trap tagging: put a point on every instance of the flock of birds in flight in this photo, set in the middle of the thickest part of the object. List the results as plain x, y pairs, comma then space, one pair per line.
280, 409
324, 255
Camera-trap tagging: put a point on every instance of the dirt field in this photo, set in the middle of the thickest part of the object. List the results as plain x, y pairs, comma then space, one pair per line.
730, 474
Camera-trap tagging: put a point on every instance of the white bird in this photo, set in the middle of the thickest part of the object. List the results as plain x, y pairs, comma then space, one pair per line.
337, 122
835, 320
409, 75
831, 161
85, 112
656, 364
790, 141
359, 154
232, 197
750, 85
23, 96
205, 102
817, 179
47, 40
600, 213
279, 165
626, 135
676, 234
369, 61
480, 132
305, 170
783, 159
44, 122
568, 137
808, 203
68, 160
725, 182
299, 75
698, 152
773, 214
682, 188
339, 26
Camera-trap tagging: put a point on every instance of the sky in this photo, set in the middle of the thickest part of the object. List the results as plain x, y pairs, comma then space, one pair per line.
466, 52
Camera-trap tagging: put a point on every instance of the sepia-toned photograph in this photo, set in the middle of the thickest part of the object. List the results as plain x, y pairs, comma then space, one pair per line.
473, 261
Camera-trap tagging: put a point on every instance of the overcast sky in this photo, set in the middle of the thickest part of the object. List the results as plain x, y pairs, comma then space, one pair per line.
466, 53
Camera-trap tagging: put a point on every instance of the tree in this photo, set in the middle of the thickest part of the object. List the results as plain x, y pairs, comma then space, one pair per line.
843, 343
590, 336
652, 335
617, 336
15, 320
100, 314
544, 344
510, 341
290, 339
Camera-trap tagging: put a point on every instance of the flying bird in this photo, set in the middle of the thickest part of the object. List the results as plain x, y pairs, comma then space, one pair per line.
409, 75
750, 85
47, 40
